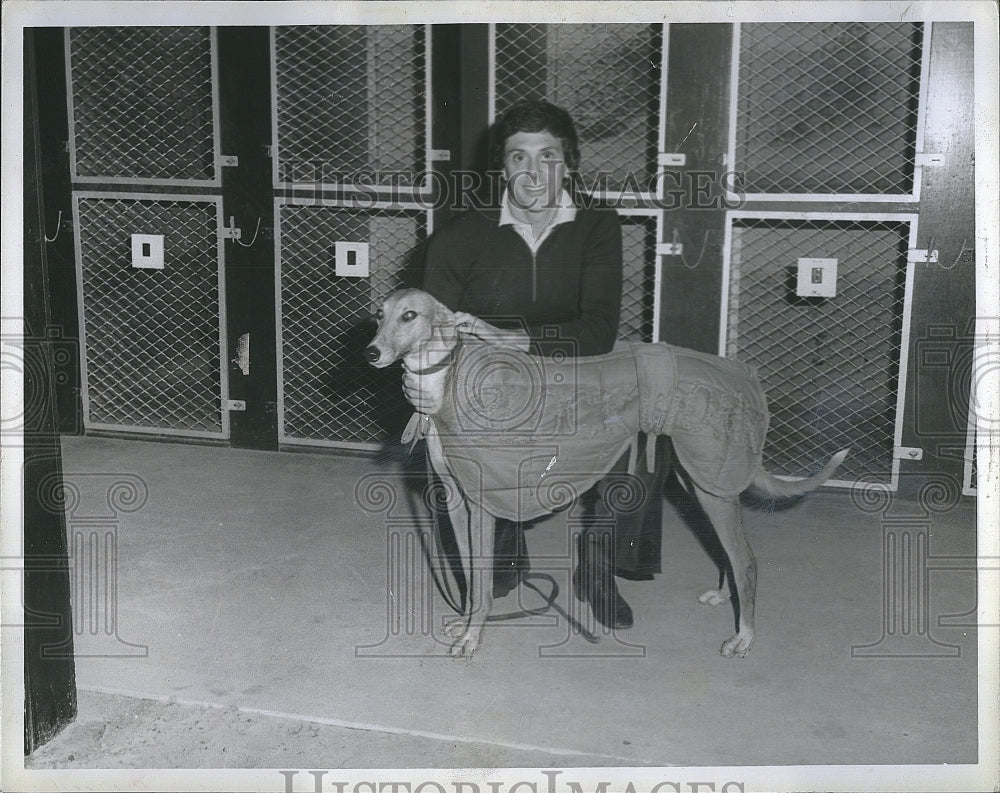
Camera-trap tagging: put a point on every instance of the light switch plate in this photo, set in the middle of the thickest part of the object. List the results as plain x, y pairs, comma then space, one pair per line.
147, 251
817, 278
351, 259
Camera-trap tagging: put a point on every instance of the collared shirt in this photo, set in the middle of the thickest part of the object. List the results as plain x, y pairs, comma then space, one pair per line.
565, 213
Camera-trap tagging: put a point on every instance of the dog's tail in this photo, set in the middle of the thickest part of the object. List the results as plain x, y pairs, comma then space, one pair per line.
769, 485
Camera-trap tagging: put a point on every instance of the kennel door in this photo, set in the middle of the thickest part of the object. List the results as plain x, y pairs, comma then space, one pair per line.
142, 105
833, 367
828, 111
151, 319
351, 107
328, 394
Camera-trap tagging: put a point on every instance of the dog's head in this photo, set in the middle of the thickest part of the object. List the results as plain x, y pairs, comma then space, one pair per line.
411, 324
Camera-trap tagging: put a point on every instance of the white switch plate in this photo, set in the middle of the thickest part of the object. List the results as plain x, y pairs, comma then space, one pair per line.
352, 259
147, 251
817, 278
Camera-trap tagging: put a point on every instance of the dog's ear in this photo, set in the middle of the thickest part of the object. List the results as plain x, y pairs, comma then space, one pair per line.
443, 315
444, 322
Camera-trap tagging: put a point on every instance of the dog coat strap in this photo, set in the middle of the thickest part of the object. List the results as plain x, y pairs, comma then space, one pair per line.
416, 428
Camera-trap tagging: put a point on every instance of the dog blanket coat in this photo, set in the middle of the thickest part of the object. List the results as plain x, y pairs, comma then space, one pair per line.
525, 435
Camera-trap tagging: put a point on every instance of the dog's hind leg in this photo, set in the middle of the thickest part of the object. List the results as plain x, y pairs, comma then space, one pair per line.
715, 597
727, 518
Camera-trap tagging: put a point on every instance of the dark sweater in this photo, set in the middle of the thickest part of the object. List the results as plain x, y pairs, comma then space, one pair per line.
567, 295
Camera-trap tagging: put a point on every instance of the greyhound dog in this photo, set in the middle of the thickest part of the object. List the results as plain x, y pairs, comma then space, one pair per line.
484, 437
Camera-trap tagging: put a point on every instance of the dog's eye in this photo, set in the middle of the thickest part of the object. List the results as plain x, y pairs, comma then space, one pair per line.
379, 315
409, 316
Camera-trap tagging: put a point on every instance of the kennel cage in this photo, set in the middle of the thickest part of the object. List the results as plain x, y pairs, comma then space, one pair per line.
142, 108
351, 120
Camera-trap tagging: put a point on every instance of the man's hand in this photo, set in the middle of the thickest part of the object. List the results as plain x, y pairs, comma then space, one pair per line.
491, 334
423, 399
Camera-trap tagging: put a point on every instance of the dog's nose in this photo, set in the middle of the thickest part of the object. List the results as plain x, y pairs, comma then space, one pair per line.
373, 353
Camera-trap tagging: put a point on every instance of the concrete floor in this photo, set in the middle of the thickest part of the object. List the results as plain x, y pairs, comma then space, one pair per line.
255, 582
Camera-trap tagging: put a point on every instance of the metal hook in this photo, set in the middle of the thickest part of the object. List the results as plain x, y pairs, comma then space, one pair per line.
58, 229
958, 258
701, 253
249, 244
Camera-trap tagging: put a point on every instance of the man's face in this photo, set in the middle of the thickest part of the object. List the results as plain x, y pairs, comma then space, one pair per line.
534, 166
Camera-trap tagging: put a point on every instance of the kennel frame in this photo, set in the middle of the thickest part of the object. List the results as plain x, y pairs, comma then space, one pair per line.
285, 439
657, 216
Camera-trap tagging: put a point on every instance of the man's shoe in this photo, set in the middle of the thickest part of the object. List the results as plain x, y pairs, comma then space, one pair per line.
609, 607
505, 580
510, 557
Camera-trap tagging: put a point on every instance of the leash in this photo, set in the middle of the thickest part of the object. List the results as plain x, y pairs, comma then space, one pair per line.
438, 562
549, 599
550, 604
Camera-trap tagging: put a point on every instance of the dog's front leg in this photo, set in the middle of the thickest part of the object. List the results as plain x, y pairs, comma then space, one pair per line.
468, 629
474, 537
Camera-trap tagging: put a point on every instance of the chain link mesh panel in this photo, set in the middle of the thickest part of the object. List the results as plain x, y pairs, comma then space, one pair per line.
142, 103
830, 366
330, 395
350, 101
606, 76
639, 278
153, 350
828, 108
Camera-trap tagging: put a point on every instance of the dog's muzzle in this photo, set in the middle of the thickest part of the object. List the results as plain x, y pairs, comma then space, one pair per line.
372, 354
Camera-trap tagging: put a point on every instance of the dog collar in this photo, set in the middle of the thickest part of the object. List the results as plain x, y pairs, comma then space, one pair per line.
444, 363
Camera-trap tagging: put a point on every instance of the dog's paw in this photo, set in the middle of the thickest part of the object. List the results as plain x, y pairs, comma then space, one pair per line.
466, 637
737, 646
465, 645
713, 597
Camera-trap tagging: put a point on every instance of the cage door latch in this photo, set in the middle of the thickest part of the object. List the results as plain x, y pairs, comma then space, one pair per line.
921, 256
230, 232
671, 159
908, 453
227, 161
922, 159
